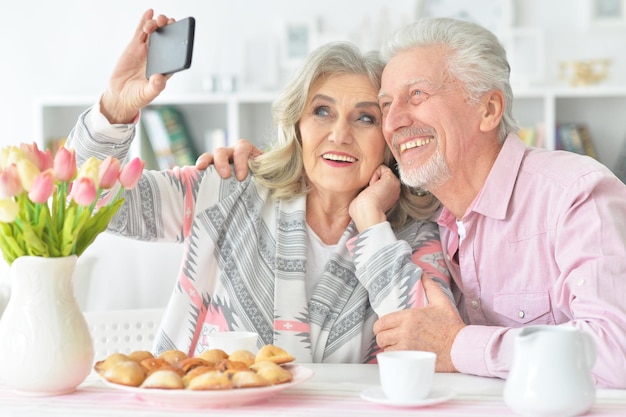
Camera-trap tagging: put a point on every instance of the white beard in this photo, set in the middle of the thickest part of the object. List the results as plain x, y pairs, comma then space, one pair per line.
428, 176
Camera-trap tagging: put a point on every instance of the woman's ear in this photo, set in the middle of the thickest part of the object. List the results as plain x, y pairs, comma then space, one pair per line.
492, 110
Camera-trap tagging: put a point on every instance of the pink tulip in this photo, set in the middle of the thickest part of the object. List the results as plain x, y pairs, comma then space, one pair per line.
10, 184
47, 161
43, 187
42, 159
65, 164
131, 173
108, 172
84, 191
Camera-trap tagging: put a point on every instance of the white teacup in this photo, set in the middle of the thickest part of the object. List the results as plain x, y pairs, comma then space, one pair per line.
233, 340
406, 375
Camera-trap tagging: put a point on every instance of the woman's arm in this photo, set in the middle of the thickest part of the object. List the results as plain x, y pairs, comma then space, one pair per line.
155, 209
391, 269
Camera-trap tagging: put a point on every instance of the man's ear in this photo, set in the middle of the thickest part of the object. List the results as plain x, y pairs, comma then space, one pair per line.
492, 109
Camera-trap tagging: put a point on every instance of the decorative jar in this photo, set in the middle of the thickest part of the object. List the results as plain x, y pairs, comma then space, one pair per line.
45, 344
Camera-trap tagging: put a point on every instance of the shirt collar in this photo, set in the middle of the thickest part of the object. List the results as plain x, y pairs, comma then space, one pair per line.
494, 197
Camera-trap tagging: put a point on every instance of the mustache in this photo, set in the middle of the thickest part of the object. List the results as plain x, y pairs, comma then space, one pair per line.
409, 132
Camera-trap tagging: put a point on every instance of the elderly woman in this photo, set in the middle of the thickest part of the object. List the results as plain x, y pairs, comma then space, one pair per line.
312, 247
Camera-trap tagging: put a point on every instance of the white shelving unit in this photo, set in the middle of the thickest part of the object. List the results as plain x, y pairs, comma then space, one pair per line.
249, 115
600, 107
238, 115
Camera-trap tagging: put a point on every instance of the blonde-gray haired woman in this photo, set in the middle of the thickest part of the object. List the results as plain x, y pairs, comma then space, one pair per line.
301, 251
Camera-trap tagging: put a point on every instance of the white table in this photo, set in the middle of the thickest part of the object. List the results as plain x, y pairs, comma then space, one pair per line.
333, 391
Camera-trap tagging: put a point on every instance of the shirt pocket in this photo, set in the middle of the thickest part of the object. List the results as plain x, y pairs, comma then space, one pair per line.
523, 308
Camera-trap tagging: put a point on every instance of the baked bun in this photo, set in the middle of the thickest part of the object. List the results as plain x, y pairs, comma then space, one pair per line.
128, 373
212, 380
228, 365
244, 356
213, 355
163, 379
195, 372
140, 355
273, 354
173, 356
156, 364
272, 372
248, 379
112, 359
189, 364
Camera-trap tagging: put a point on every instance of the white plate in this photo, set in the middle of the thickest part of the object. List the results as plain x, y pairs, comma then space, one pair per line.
436, 396
214, 399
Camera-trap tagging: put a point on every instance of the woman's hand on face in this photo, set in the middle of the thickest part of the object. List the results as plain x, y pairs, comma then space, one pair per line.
129, 91
239, 154
382, 193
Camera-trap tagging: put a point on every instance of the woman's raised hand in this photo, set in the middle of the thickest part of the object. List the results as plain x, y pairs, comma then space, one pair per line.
129, 90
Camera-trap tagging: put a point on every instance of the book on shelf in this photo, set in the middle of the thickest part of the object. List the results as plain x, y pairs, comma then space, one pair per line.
620, 168
533, 135
169, 137
528, 135
585, 137
575, 137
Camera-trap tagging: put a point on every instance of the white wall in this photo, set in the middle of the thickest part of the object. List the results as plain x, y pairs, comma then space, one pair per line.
68, 47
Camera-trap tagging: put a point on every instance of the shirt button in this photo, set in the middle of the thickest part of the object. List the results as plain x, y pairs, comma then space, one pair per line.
474, 304
581, 282
521, 314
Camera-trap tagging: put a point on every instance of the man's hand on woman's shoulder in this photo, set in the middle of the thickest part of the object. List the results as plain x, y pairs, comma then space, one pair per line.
239, 154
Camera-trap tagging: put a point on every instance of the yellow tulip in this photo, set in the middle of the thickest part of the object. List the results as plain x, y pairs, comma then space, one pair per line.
90, 169
27, 172
9, 210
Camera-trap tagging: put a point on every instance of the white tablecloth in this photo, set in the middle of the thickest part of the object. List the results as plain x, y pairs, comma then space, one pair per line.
334, 390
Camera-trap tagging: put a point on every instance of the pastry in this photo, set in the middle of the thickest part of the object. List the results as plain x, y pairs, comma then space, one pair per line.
125, 373
211, 380
195, 372
112, 359
244, 356
227, 364
173, 356
188, 364
213, 355
155, 364
164, 379
274, 373
274, 354
140, 355
248, 379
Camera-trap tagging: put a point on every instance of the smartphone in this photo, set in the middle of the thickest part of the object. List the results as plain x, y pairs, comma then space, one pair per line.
170, 47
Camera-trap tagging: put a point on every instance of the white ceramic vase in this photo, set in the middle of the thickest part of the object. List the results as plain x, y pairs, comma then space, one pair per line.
45, 345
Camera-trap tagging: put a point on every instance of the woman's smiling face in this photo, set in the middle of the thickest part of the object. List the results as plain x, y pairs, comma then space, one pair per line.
341, 134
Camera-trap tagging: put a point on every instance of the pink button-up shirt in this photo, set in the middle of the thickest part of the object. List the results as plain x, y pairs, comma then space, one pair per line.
545, 243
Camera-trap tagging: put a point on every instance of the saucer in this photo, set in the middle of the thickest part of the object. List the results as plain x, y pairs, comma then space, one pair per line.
436, 396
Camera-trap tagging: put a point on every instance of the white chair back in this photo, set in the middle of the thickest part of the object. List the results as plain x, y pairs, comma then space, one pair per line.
122, 331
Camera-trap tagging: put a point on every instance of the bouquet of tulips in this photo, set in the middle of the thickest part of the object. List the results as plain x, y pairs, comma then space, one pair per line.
49, 207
